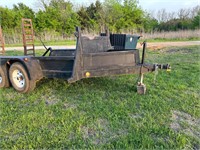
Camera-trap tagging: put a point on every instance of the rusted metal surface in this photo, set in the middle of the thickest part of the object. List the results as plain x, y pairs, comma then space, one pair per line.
94, 59
28, 37
77, 73
2, 43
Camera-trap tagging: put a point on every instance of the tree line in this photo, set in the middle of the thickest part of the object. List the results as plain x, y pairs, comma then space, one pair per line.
62, 16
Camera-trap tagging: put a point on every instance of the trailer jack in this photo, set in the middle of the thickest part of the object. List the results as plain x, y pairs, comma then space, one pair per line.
141, 87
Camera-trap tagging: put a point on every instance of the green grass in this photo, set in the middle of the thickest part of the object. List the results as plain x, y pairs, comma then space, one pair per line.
73, 42
38, 43
107, 113
21, 53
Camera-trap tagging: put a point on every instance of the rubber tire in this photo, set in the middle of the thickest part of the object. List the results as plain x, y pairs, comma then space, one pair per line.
29, 84
4, 74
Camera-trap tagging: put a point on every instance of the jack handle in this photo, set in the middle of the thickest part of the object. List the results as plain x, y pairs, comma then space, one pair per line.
143, 51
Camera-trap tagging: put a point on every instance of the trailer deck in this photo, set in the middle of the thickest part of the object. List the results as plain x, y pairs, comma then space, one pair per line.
93, 57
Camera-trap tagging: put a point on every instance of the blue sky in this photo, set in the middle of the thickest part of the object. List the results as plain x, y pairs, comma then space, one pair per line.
170, 5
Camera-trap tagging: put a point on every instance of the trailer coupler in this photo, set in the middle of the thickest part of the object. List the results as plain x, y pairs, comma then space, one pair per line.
167, 67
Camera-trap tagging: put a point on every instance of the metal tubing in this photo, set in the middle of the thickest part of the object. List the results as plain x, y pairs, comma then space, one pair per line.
143, 52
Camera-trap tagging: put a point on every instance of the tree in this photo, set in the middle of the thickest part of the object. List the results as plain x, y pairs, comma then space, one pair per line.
123, 15
46, 20
22, 11
114, 15
194, 11
184, 13
58, 16
133, 15
83, 18
162, 16
7, 19
196, 21
150, 23
42, 4
91, 17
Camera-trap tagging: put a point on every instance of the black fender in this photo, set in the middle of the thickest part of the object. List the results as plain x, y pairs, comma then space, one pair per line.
33, 69
31, 65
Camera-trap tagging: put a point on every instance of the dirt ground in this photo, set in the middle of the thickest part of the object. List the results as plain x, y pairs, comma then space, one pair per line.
160, 45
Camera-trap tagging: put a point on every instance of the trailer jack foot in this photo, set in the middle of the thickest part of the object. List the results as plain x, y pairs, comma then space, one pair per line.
141, 88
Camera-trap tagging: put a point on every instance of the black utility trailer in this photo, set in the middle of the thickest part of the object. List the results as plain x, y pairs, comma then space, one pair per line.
104, 55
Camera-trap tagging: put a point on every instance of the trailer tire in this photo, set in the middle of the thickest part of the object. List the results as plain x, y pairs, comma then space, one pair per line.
19, 78
4, 80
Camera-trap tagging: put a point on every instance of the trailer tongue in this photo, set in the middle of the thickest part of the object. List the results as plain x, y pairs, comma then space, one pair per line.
106, 55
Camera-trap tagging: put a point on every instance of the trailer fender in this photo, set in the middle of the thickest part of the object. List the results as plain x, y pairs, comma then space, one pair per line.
32, 67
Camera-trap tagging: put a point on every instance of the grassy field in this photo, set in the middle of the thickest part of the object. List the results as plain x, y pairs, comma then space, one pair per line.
107, 113
52, 38
38, 43
73, 42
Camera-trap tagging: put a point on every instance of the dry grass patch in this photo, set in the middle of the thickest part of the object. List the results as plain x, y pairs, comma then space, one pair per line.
185, 123
101, 133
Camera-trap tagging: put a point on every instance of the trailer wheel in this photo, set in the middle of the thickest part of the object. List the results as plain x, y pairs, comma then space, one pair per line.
4, 81
19, 78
